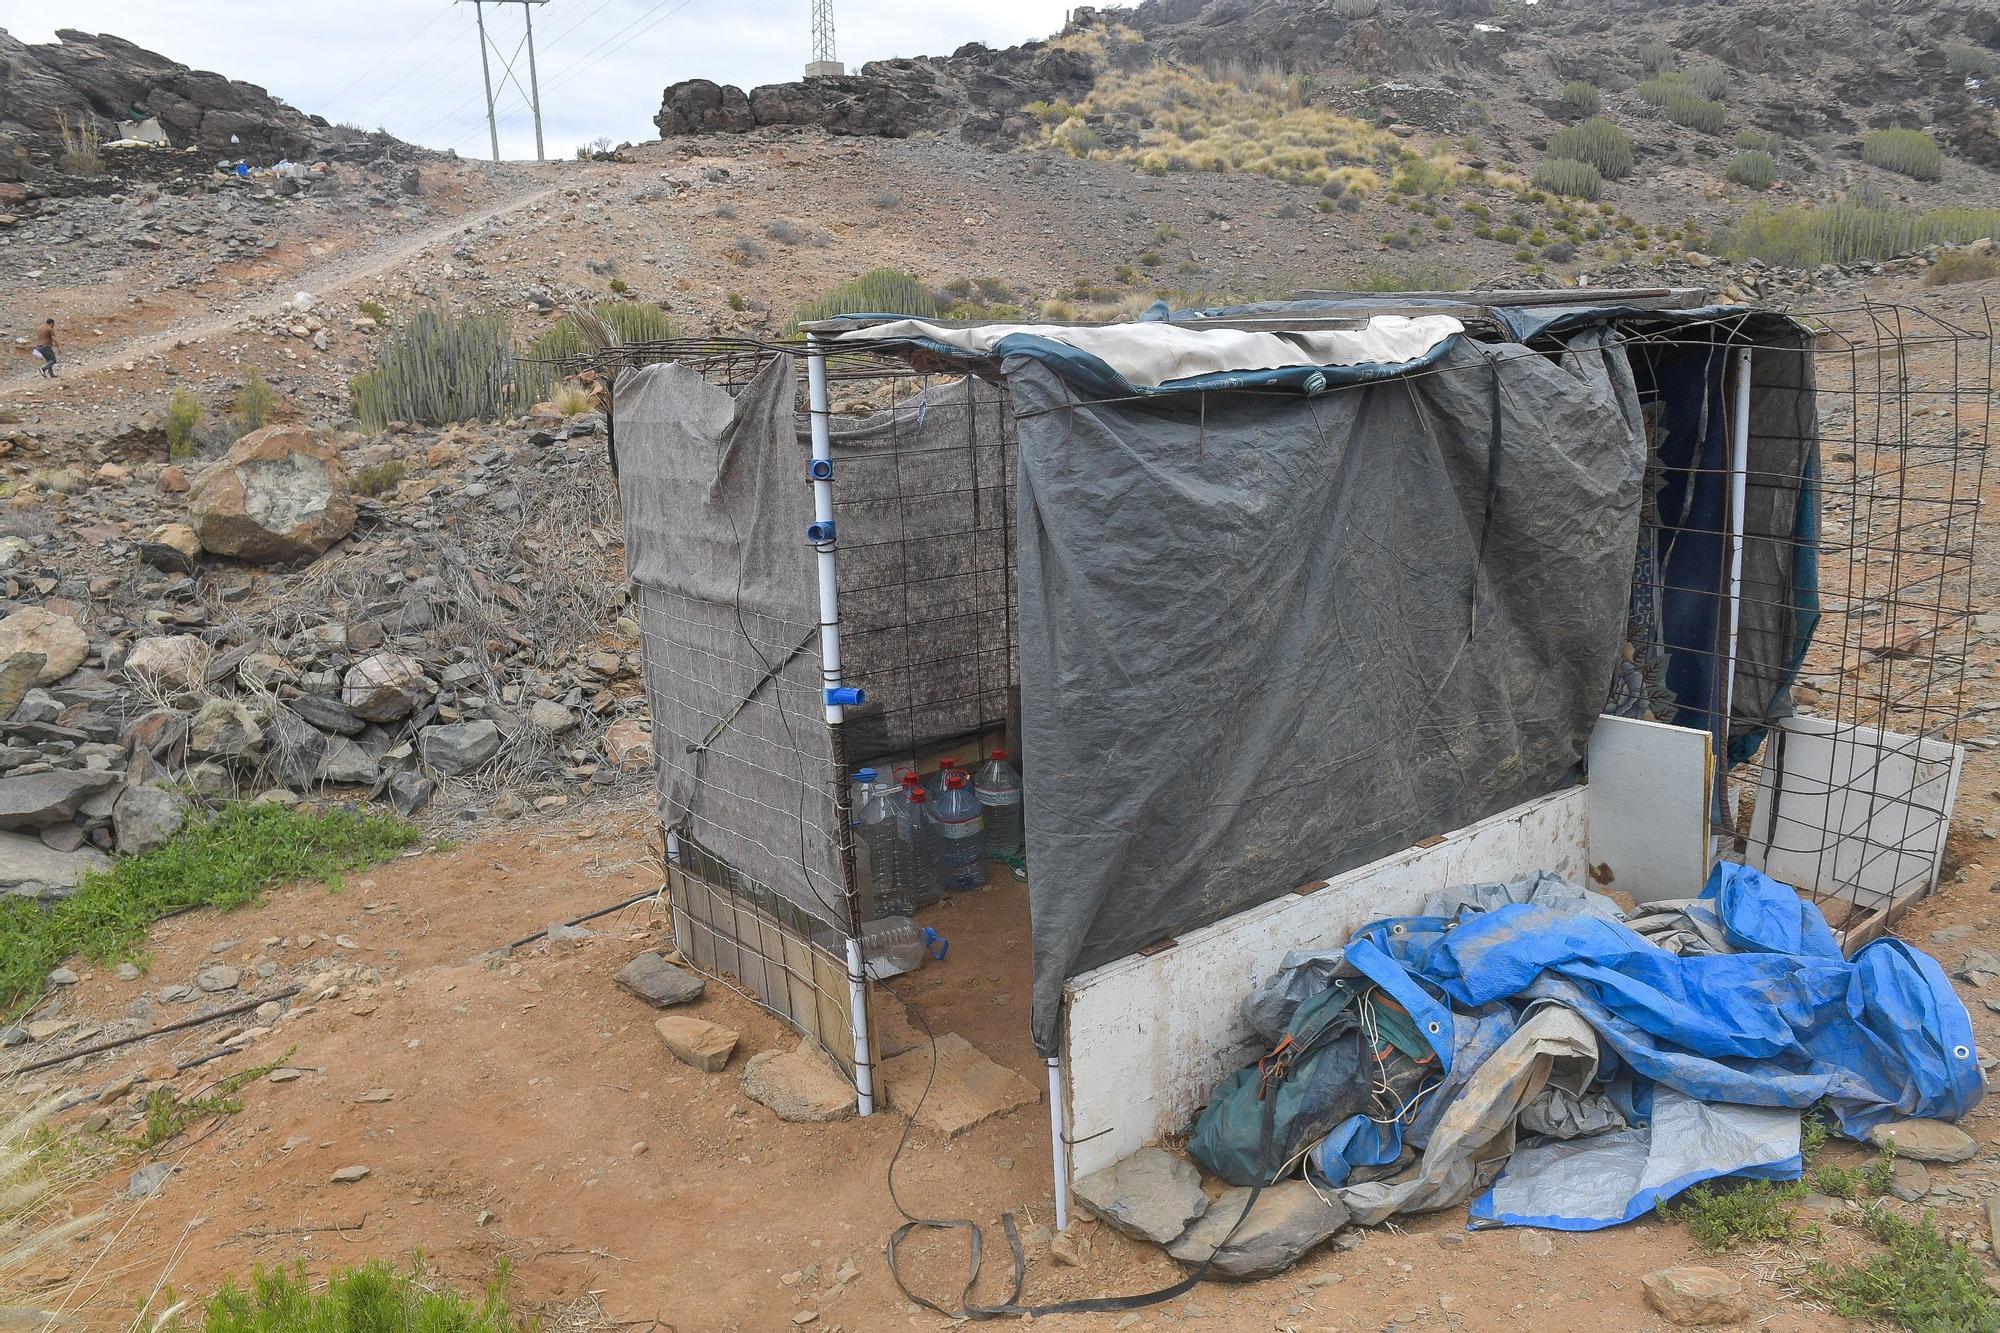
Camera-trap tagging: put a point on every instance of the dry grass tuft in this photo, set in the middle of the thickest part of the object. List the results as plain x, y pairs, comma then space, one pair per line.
1169, 118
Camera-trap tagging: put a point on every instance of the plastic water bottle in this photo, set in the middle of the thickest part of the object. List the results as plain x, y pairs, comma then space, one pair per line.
960, 824
875, 829
934, 784
927, 883
998, 788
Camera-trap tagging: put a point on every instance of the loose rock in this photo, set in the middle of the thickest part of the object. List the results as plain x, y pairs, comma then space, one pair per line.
60, 641
1693, 1295
657, 981
798, 1085
1289, 1219
1925, 1140
696, 1041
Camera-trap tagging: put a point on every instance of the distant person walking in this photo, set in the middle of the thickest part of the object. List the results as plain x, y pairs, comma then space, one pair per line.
44, 350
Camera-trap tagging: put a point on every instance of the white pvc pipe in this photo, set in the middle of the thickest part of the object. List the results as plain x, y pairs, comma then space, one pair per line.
822, 484
1739, 488
829, 653
857, 1007
673, 848
1058, 1134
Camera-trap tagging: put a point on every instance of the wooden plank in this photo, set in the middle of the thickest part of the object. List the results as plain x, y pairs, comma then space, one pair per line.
1649, 791
1147, 1037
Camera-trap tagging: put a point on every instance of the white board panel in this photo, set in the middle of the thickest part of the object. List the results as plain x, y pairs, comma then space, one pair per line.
1649, 797
1853, 812
1146, 1038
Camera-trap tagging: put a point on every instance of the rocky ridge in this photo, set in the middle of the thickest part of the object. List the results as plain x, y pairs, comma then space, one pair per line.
100, 80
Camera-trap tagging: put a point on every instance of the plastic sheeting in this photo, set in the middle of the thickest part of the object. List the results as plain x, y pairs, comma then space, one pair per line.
1155, 354
1266, 639
1787, 1022
1642, 1071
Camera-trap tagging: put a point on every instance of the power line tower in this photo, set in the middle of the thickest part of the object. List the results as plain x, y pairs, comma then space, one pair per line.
823, 62
533, 92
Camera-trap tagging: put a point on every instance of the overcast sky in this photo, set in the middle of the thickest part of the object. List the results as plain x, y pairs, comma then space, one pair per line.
412, 66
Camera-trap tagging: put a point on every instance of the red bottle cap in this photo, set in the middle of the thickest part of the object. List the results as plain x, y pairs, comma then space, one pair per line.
946, 764
1001, 755
954, 779
919, 795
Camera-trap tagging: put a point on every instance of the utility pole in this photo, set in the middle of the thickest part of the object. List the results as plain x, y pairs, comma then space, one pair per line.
534, 90
823, 64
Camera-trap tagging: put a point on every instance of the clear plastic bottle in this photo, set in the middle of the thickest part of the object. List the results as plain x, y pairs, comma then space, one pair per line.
875, 829
960, 825
934, 784
998, 788
927, 885
892, 945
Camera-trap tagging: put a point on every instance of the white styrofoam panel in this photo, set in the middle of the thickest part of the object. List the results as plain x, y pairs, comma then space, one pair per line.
1649, 800
1146, 1038
1857, 813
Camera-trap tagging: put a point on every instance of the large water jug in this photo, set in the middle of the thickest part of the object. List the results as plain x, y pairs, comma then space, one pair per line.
998, 788
960, 824
875, 830
927, 884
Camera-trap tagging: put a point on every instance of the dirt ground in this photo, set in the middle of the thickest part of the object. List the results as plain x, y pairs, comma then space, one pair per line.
521, 1109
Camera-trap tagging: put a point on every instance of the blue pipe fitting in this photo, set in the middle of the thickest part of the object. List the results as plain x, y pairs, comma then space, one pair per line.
847, 696
820, 533
821, 469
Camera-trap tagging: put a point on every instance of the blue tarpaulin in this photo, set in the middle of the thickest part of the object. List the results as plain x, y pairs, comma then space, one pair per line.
1631, 1071
1787, 1022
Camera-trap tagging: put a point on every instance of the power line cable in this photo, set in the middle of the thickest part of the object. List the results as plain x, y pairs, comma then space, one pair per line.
376, 67
589, 59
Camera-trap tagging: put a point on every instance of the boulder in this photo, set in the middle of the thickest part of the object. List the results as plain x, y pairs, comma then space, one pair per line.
702, 106
385, 687
1290, 1219
1151, 1195
696, 1041
30, 869
800, 1086
280, 494
145, 817
658, 982
173, 663
455, 748
37, 800
224, 729
1925, 1140
1694, 1296
173, 547
60, 641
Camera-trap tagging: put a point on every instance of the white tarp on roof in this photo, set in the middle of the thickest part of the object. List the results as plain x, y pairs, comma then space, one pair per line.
1152, 353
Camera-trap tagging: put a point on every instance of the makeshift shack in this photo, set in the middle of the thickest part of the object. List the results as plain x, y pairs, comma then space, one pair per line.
1297, 614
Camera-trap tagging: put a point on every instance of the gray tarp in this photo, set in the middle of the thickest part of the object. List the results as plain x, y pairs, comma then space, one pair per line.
1267, 638
716, 508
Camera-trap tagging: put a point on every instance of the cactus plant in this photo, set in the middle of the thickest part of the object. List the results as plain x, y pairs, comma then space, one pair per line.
1907, 152
1567, 176
1596, 141
439, 368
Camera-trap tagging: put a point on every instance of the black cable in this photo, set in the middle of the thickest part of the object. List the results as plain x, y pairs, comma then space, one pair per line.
1012, 1307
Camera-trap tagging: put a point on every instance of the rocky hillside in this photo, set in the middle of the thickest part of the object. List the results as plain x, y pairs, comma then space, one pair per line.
1807, 80
97, 81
